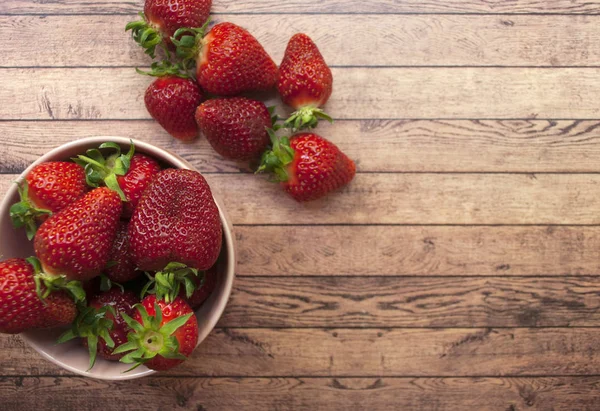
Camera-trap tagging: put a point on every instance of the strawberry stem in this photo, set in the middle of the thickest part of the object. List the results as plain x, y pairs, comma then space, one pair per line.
278, 158
24, 213
145, 35
53, 283
306, 118
166, 284
165, 68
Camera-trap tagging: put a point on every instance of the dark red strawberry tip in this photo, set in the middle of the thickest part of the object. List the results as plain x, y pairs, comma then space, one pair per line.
163, 335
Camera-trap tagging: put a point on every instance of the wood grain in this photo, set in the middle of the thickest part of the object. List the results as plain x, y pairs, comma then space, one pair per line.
416, 93
252, 352
412, 40
376, 145
418, 251
333, 6
413, 302
165, 394
414, 199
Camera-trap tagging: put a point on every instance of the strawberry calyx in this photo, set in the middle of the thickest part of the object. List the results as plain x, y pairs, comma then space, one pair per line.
306, 118
167, 283
53, 283
91, 323
188, 42
277, 159
145, 34
25, 213
99, 169
149, 339
165, 68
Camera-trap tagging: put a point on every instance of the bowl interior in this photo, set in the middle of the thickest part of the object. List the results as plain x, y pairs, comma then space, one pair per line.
72, 355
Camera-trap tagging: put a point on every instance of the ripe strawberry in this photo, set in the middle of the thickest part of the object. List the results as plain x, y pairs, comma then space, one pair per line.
127, 174
47, 189
77, 241
31, 299
235, 127
176, 220
121, 267
161, 18
229, 60
308, 166
164, 335
101, 325
305, 82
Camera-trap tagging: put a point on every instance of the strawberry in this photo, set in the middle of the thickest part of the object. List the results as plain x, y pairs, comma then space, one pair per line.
127, 174
121, 267
176, 220
229, 60
101, 325
235, 127
77, 241
48, 188
308, 166
204, 285
32, 299
305, 82
161, 18
164, 334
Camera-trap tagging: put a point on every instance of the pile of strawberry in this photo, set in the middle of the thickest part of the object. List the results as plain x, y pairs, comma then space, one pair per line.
205, 84
124, 252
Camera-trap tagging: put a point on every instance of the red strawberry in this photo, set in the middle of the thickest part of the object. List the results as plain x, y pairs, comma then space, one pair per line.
229, 60
161, 18
176, 220
127, 174
164, 335
31, 299
305, 83
101, 325
47, 189
77, 241
235, 127
308, 166
121, 267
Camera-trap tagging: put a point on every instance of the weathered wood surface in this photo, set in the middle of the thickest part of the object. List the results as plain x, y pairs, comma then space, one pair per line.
410, 40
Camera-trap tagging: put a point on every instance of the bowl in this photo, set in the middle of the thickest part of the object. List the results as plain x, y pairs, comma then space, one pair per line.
72, 356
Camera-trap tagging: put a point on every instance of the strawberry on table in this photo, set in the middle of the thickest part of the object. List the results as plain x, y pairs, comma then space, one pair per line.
229, 60
235, 127
305, 82
47, 189
77, 241
102, 326
176, 220
161, 18
308, 166
164, 334
32, 299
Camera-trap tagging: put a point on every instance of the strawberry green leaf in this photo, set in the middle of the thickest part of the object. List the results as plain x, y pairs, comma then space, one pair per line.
172, 326
24, 213
145, 35
306, 118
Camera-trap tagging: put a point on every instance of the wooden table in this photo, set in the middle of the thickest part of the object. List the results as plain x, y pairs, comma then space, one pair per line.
459, 271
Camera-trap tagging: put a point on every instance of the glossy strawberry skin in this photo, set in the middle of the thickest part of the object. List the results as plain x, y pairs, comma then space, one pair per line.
318, 168
304, 77
122, 302
172, 102
170, 15
235, 127
77, 241
121, 266
56, 184
141, 170
211, 277
176, 220
231, 61
21, 308
187, 334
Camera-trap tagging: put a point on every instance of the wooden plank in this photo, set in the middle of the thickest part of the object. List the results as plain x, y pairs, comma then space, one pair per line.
414, 199
452, 394
414, 40
421, 251
391, 353
334, 6
376, 145
413, 302
419, 93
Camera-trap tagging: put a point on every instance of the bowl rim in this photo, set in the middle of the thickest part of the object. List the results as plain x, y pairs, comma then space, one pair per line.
176, 161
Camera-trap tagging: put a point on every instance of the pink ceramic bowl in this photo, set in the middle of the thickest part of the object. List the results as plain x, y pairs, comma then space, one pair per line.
72, 356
